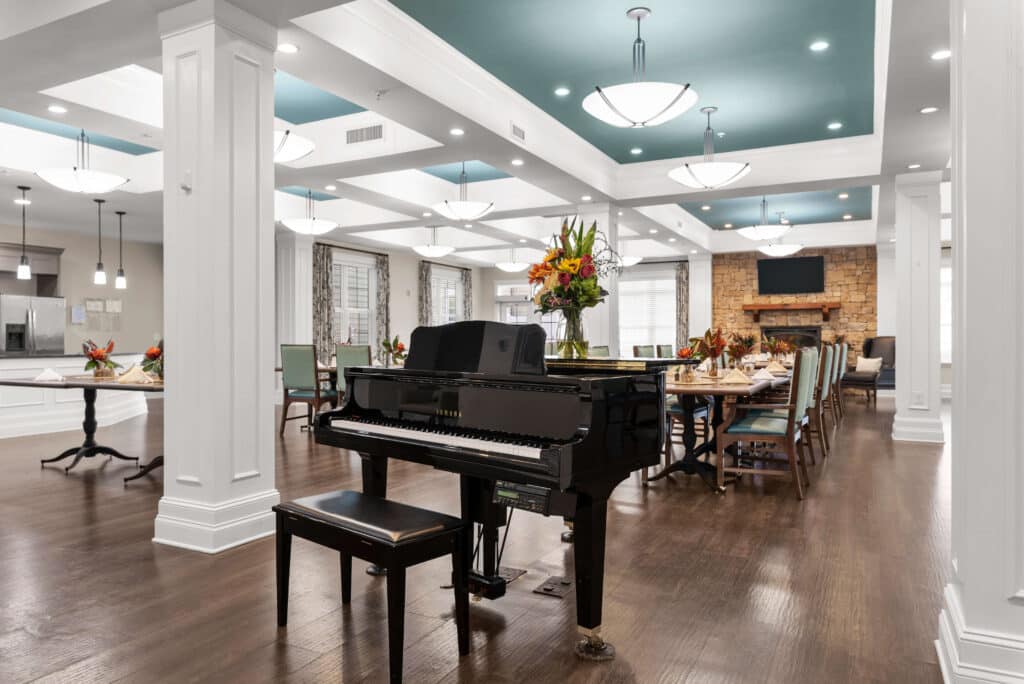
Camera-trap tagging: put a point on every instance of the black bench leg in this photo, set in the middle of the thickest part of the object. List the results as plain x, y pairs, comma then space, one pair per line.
346, 578
460, 575
396, 620
284, 557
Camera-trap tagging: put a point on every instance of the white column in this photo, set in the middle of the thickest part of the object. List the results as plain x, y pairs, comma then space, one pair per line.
218, 68
700, 294
601, 323
981, 626
886, 305
294, 288
918, 255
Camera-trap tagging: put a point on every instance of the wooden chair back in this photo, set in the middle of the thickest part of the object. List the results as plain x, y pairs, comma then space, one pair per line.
643, 351
665, 351
599, 351
825, 371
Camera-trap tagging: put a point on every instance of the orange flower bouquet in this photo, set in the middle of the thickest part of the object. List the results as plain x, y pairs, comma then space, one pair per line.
392, 352
154, 361
710, 347
99, 361
739, 346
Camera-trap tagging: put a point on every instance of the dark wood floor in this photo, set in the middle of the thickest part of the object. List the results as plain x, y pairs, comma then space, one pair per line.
752, 586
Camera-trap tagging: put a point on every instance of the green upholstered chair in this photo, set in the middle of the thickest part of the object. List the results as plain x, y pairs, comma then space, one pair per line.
837, 384
348, 355
819, 401
600, 351
301, 380
777, 427
643, 351
665, 351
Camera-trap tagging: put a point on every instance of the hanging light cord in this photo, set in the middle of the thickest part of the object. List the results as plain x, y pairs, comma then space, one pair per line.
309, 205
23, 207
99, 229
709, 139
463, 184
120, 238
639, 54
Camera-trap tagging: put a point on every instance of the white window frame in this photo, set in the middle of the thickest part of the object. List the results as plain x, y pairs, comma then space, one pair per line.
549, 321
666, 272
454, 276
345, 257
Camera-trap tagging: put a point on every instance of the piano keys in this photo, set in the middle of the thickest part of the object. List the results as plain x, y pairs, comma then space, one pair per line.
478, 399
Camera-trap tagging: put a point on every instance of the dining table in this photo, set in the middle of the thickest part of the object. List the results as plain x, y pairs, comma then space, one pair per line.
688, 394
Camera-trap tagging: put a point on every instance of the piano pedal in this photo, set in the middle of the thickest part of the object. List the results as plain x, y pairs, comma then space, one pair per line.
558, 587
592, 647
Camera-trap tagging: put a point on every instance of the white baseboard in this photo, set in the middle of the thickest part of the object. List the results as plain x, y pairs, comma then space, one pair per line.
972, 656
910, 429
212, 528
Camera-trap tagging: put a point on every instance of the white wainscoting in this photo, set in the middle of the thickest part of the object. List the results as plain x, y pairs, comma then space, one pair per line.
34, 411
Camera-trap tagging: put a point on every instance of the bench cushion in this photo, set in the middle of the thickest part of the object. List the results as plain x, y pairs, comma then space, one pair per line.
371, 516
860, 379
754, 424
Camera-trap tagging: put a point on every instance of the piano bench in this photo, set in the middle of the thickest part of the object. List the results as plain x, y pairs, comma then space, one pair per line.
389, 534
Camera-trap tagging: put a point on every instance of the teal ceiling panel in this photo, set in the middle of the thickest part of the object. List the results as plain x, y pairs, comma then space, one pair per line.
37, 123
475, 171
824, 206
298, 102
301, 190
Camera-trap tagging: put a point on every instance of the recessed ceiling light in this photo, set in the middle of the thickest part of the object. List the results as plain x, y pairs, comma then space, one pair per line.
727, 225
693, 251
467, 225
562, 91
941, 54
929, 110
819, 46
427, 214
844, 195
835, 125
706, 207
457, 132
22, 200
720, 134
653, 231
517, 162
288, 48
671, 239
522, 239
636, 150
585, 198
913, 166
331, 187
847, 217
784, 221
57, 109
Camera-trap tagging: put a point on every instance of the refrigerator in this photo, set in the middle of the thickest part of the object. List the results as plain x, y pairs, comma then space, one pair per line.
31, 326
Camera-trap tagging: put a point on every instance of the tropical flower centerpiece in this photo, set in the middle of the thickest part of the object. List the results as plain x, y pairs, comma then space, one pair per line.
710, 347
567, 281
740, 346
100, 363
392, 352
776, 347
154, 360
690, 358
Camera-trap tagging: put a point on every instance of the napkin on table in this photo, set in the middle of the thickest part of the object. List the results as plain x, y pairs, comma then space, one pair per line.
134, 376
764, 374
49, 375
776, 367
735, 377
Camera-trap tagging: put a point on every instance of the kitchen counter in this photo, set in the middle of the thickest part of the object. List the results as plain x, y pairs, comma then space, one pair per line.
37, 410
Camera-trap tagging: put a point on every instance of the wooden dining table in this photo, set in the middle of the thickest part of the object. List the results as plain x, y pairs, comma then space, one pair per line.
688, 395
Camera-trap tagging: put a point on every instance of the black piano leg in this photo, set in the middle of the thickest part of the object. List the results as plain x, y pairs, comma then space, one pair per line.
375, 483
588, 552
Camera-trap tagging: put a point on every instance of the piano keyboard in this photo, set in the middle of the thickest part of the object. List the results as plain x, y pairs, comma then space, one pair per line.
457, 438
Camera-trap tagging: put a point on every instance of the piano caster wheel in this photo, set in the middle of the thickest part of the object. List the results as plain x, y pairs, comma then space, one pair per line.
594, 649
567, 536
376, 570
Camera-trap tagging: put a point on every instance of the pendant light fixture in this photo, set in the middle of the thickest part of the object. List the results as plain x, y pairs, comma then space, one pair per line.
764, 230
288, 147
434, 249
310, 224
463, 209
81, 178
641, 103
100, 277
779, 250
625, 260
120, 282
512, 266
24, 270
709, 174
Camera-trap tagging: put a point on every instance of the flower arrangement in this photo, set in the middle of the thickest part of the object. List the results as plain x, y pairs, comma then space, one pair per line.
566, 280
687, 353
392, 351
739, 346
710, 346
154, 359
99, 361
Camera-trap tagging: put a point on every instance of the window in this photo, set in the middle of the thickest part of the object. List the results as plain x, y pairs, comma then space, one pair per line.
447, 297
647, 310
946, 314
354, 289
515, 305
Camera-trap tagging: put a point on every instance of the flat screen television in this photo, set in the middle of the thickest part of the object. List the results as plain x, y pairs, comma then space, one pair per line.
795, 275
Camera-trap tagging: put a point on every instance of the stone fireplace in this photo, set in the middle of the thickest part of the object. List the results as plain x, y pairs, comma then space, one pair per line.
798, 335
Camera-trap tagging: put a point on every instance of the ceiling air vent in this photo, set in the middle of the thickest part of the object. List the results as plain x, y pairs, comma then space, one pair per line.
518, 133
358, 135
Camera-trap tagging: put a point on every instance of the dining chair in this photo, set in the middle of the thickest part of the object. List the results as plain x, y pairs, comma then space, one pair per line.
837, 389
346, 356
301, 380
772, 427
665, 351
643, 351
833, 397
600, 351
818, 424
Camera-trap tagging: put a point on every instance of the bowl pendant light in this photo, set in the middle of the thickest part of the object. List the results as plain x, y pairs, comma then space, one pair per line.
625, 260
24, 270
709, 174
100, 277
764, 230
463, 209
310, 224
641, 103
81, 178
512, 266
289, 147
120, 282
433, 250
779, 250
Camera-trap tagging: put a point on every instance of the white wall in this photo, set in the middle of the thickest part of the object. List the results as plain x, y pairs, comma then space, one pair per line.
142, 303
886, 307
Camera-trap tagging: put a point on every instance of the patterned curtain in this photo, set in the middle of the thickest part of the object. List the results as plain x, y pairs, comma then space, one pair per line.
425, 299
682, 303
467, 294
323, 302
383, 322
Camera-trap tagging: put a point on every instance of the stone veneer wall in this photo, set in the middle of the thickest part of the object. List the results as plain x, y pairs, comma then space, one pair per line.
851, 278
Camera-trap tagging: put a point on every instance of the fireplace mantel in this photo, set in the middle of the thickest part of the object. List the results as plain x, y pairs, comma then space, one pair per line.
825, 307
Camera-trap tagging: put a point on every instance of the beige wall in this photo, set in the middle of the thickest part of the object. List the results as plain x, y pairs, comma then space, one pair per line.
142, 303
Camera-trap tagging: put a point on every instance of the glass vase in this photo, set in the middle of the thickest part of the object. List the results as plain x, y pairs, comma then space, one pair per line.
572, 345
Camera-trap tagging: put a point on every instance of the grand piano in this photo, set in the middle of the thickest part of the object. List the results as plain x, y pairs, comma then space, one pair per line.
478, 399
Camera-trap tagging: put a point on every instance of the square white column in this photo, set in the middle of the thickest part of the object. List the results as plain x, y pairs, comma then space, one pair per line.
218, 70
700, 294
918, 257
981, 626
294, 266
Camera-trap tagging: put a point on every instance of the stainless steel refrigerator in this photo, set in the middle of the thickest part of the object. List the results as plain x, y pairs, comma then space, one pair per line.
31, 326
